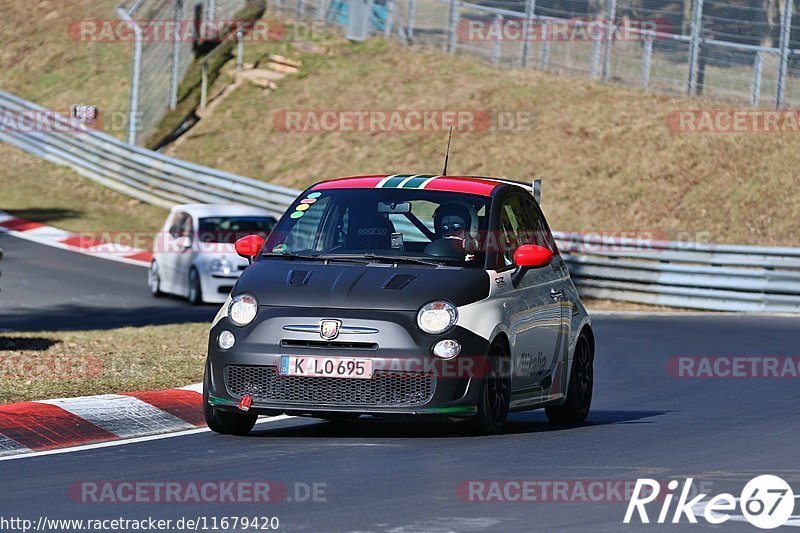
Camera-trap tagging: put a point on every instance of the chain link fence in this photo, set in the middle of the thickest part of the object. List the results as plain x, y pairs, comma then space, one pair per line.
736, 50
166, 36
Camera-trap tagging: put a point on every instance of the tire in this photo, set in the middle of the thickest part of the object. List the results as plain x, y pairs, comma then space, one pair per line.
495, 395
195, 290
154, 280
225, 422
579, 390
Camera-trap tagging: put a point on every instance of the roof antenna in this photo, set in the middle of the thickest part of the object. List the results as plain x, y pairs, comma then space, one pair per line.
447, 154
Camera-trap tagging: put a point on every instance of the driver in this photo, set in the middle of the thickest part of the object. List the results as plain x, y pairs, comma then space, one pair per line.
452, 223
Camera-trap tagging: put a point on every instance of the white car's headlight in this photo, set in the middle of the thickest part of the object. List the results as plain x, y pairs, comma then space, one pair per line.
437, 317
220, 266
243, 309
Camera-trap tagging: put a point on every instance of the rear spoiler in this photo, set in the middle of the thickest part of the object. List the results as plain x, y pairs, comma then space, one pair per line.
534, 187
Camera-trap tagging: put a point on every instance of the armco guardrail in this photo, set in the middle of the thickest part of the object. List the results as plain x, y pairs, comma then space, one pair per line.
703, 276
137, 172
721, 277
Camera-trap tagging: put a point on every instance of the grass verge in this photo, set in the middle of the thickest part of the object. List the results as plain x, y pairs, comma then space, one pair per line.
38, 366
43, 192
41, 61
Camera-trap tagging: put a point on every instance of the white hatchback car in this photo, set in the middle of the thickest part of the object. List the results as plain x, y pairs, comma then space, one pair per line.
194, 255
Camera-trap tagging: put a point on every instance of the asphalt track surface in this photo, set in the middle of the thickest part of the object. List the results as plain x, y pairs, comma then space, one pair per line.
403, 477
44, 288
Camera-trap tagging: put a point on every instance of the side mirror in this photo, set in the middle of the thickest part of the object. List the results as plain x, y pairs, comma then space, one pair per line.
530, 256
249, 247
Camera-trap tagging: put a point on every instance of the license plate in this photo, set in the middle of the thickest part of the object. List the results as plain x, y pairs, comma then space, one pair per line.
326, 367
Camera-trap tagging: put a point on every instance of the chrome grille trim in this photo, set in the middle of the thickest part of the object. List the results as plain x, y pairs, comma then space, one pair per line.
343, 330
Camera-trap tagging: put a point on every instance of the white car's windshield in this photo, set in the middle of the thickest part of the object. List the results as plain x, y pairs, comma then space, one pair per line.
228, 230
419, 225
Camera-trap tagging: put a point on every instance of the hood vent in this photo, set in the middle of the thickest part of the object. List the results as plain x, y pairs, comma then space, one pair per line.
298, 278
398, 281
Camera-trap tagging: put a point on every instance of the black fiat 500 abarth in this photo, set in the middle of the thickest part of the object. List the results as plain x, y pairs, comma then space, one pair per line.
402, 295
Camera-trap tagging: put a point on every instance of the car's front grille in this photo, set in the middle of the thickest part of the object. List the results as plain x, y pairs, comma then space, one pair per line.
384, 389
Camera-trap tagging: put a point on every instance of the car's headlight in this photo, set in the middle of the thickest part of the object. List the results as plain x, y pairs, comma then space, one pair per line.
243, 309
226, 340
220, 266
437, 317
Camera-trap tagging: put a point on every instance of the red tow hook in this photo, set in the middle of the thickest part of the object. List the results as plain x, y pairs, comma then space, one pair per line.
245, 403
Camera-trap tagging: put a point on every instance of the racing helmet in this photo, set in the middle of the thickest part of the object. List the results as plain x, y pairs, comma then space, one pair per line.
464, 211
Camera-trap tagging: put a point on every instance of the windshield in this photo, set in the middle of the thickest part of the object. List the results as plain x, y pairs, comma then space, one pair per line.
227, 230
405, 224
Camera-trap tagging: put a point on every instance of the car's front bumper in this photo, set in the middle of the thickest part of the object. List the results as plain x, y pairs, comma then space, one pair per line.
217, 287
408, 378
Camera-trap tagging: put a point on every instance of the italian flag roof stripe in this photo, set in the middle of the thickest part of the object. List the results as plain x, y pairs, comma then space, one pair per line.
416, 181
427, 181
404, 181
394, 181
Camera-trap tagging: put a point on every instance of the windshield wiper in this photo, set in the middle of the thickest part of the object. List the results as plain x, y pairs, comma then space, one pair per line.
314, 257
291, 255
367, 257
388, 258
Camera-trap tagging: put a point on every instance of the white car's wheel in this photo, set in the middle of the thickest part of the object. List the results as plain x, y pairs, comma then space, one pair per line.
154, 280
195, 291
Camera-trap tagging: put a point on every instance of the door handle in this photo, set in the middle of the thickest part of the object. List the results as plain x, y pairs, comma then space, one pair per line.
555, 295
